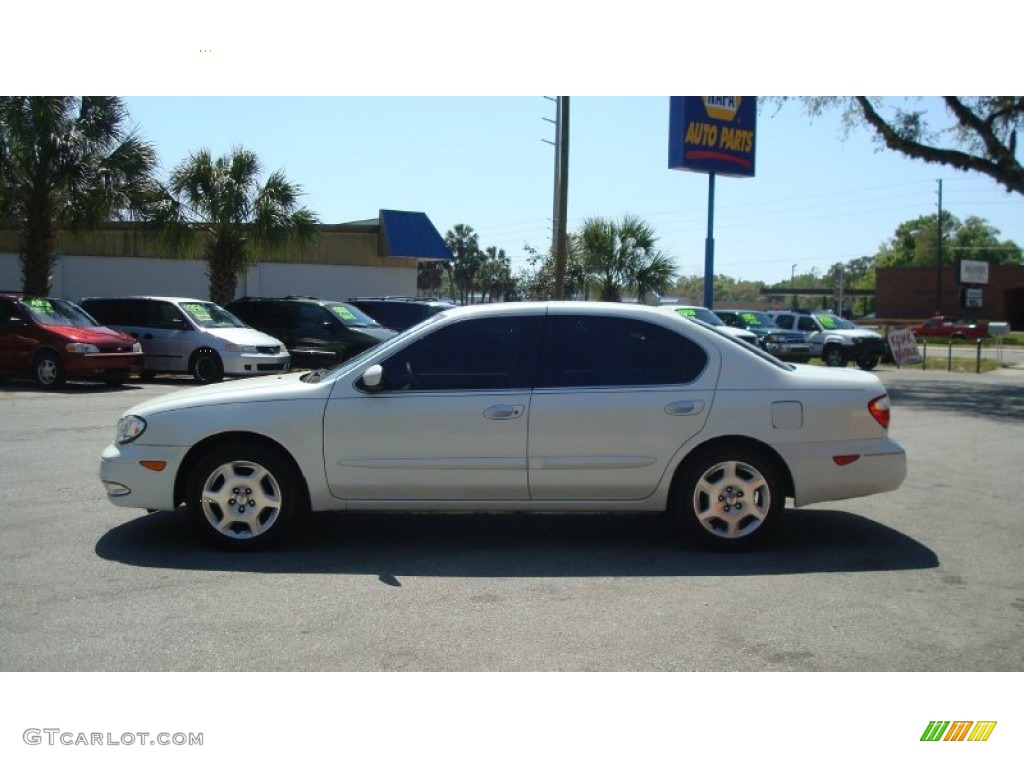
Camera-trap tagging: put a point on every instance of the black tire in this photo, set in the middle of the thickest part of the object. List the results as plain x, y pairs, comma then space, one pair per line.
727, 498
834, 356
260, 481
868, 363
48, 371
206, 367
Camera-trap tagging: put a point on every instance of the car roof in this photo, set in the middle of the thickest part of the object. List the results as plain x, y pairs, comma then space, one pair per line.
176, 299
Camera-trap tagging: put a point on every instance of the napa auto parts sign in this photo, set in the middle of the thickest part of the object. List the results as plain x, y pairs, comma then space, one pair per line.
712, 134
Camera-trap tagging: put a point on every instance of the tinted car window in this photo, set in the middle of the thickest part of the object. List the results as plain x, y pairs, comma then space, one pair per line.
784, 321
489, 353
609, 351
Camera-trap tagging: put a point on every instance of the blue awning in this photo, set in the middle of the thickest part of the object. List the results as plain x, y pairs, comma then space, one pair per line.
411, 235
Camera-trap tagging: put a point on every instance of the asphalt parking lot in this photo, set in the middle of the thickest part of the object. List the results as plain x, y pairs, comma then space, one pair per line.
927, 578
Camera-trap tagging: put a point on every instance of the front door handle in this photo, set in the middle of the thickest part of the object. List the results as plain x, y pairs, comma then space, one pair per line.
504, 412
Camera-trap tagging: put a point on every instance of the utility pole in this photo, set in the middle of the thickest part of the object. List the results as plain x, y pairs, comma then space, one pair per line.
559, 242
938, 259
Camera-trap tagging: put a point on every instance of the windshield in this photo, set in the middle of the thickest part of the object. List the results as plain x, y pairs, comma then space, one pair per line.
58, 312
700, 313
209, 315
351, 316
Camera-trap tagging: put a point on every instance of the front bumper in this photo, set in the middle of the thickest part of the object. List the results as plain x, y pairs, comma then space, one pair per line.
246, 364
130, 484
99, 365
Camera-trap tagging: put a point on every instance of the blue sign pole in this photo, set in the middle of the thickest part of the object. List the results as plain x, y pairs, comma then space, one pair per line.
709, 247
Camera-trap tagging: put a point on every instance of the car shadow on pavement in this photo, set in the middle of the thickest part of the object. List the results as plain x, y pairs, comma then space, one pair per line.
999, 400
390, 545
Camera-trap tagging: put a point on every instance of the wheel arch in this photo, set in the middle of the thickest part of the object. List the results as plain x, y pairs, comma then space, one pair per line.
724, 442
205, 349
226, 438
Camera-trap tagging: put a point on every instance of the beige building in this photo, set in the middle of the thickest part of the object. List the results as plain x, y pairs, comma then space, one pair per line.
365, 258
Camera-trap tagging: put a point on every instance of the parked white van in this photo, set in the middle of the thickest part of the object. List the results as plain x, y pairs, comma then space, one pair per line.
181, 335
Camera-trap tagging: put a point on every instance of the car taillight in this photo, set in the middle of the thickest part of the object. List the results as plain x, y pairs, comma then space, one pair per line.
879, 408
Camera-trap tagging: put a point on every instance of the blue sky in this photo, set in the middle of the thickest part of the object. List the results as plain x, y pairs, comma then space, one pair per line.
820, 195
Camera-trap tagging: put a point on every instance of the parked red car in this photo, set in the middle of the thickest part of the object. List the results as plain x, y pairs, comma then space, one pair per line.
51, 340
944, 327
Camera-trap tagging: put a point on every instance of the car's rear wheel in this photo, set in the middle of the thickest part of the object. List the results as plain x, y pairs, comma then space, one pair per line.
834, 357
727, 498
206, 367
48, 371
245, 497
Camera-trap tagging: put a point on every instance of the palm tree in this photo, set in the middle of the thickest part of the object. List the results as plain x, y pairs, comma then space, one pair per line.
465, 244
621, 256
67, 162
495, 274
219, 206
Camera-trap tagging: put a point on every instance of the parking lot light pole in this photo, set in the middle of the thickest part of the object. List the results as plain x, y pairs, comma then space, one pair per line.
792, 286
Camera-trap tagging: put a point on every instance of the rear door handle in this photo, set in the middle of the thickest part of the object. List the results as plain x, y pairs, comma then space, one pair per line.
685, 407
504, 412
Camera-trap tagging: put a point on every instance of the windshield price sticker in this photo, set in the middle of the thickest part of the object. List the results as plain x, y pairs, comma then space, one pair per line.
827, 321
344, 313
199, 311
41, 305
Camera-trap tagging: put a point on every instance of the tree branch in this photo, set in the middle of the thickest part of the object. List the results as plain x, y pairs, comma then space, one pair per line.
1003, 168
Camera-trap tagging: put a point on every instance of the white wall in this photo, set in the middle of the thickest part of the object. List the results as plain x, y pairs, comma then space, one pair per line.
76, 277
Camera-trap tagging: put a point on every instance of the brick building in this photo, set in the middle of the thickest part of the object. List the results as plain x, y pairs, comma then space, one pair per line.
910, 293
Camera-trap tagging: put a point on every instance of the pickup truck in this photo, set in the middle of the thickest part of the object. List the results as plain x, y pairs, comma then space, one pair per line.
941, 326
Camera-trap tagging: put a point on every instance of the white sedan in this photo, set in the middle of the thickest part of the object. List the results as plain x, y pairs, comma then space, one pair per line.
534, 407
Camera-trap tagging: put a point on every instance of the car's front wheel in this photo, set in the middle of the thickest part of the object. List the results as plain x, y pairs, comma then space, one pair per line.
245, 497
868, 363
48, 371
206, 367
727, 498
834, 356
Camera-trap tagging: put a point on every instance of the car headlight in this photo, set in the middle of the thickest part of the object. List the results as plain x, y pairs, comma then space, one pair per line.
78, 347
129, 428
245, 349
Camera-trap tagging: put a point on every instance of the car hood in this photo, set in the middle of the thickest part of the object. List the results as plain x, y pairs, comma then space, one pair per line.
739, 333
244, 336
93, 334
286, 386
379, 333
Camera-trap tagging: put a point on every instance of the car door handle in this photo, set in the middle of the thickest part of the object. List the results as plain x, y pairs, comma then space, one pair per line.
504, 412
685, 407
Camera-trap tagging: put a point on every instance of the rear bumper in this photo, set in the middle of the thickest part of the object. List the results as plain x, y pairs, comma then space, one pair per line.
880, 466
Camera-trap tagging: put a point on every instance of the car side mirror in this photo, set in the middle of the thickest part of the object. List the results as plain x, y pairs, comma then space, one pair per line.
372, 379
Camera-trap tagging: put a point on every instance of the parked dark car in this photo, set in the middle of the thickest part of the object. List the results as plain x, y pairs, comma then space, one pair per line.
318, 333
399, 312
785, 345
51, 340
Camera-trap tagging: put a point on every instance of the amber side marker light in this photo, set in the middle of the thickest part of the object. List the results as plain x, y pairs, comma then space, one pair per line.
879, 408
156, 466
